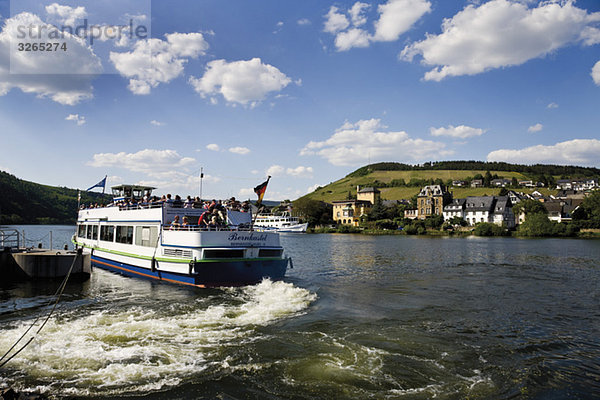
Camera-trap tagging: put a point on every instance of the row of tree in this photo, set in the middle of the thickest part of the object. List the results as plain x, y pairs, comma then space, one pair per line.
565, 171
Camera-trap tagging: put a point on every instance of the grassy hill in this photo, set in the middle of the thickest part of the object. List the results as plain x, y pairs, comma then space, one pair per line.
385, 174
24, 202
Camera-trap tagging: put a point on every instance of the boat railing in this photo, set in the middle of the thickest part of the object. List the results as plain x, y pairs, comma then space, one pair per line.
199, 228
9, 238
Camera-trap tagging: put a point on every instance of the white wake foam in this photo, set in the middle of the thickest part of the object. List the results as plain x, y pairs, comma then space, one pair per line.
138, 349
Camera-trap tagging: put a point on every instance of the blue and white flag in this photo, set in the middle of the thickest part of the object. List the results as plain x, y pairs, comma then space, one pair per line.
101, 184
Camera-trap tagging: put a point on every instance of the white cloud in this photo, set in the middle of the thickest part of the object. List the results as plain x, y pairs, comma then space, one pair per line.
239, 150
312, 188
155, 61
80, 120
213, 147
335, 21
572, 152
65, 15
552, 105
461, 131
300, 172
246, 193
275, 170
62, 77
303, 21
357, 13
243, 82
596, 73
365, 140
501, 33
351, 38
156, 123
155, 163
535, 128
395, 18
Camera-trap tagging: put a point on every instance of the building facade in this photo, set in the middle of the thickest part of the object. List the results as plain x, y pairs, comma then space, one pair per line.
349, 212
431, 201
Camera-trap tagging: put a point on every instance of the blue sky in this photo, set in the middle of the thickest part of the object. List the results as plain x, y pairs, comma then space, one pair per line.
303, 91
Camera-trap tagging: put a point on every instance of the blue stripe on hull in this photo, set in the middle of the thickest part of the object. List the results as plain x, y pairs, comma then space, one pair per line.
219, 273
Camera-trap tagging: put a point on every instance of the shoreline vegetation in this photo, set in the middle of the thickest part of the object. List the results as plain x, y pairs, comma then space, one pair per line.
461, 233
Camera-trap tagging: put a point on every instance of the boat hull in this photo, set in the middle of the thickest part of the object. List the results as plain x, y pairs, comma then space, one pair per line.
204, 273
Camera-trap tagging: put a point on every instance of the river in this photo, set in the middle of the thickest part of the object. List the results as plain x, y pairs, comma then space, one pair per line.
358, 317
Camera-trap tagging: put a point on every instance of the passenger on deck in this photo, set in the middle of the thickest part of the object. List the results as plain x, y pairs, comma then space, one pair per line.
177, 203
175, 225
198, 203
188, 203
185, 226
204, 219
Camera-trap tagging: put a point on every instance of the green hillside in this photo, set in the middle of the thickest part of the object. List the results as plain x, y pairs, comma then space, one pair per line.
401, 181
24, 202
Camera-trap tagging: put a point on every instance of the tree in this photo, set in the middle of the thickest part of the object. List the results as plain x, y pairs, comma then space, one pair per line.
457, 221
529, 207
489, 229
378, 211
514, 182
538, 225
487, 179
315, 212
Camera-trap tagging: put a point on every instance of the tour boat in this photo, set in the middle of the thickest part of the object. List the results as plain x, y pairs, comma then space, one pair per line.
141, 240
279, 223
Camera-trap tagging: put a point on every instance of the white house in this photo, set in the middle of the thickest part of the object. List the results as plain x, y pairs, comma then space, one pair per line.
492, 209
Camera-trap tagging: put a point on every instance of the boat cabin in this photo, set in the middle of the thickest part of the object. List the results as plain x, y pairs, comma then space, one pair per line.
132, 192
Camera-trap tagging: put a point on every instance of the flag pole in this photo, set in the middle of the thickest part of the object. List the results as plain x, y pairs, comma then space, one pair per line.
260, 197
104, 187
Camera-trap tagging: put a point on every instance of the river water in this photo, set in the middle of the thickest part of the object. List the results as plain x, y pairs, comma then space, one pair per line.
359, 317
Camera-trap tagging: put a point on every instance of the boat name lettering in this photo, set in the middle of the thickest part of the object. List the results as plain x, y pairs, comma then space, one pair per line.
247, 238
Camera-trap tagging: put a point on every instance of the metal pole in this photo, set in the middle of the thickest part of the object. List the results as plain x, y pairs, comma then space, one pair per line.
201, 176
51, 241
24, 241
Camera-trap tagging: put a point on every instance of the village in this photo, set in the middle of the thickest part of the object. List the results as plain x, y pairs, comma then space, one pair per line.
507, 210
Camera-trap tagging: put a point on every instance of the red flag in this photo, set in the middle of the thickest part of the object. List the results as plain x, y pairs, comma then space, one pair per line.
260, 190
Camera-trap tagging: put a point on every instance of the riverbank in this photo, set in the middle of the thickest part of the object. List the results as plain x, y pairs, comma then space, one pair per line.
461, 232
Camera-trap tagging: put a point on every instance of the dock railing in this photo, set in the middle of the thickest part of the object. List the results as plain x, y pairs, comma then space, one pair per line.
9, 238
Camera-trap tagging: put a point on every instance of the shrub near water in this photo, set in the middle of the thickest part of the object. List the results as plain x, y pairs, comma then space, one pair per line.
489, 229
538, 225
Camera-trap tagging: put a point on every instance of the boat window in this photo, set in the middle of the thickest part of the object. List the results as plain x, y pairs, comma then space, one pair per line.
223, 253
107, 233
89, 231
146, 236
81, 233
269, 253
124, 234
94, 232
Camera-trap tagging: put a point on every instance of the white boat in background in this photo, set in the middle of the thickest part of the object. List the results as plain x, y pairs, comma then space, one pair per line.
279, 223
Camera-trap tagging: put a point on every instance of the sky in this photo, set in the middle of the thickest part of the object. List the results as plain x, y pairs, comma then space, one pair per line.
153, 92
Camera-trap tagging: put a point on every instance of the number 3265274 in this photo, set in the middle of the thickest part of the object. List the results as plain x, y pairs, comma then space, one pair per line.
56, 46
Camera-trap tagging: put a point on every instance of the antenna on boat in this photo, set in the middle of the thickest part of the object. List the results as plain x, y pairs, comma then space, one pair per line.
201, 176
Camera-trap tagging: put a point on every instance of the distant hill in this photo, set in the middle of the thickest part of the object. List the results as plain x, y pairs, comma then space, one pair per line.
402, 181
24, 202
